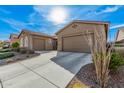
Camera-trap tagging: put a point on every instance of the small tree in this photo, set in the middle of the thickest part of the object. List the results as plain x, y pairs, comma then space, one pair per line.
15, 45
101, 55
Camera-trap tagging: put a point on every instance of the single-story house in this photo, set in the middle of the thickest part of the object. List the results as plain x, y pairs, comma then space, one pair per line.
72, 37
120, 37
36, 41
13, 38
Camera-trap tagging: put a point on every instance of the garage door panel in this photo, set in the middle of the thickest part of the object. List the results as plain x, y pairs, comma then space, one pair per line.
75, 44
38, 44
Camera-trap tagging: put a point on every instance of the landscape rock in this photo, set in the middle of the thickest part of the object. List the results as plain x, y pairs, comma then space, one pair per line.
3, 62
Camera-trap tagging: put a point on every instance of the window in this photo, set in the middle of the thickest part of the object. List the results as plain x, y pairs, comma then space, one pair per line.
50, 41
26, 42
21, 42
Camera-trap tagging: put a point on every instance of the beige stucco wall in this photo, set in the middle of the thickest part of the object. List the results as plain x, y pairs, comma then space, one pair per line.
79, 29
120, 35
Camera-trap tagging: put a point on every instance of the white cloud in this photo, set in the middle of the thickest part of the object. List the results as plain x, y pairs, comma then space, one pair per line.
15, 24
117, 26
109, 10
55, 14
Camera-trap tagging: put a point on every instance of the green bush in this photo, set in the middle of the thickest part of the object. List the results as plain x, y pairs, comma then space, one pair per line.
5, 50
116, 61
15, 45
6, 55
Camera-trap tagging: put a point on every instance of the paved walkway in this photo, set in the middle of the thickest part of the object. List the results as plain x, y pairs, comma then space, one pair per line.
49, 70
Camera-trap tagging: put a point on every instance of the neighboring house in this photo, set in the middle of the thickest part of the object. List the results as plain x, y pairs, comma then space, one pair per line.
13, 38
6, 44
36, 41
72, 37
120, 37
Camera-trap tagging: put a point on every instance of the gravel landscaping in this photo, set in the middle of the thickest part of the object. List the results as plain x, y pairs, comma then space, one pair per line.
87, 76
17, 57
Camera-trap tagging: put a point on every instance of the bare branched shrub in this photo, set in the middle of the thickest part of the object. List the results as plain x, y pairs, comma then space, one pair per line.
101, 54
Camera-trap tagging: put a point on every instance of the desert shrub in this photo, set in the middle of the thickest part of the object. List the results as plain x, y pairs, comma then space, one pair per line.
120, 50
23, 50
6, 55
116, 61
15, 45
16, 49
30, 52
5, 50
27, 51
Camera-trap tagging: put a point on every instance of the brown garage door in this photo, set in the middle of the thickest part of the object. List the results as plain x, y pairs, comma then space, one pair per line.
38, 44
76, 44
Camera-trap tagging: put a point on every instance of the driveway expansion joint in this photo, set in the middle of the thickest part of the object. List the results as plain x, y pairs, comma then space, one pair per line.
39, 75
1, 83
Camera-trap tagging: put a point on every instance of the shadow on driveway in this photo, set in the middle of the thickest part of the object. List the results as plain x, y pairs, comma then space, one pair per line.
72, 61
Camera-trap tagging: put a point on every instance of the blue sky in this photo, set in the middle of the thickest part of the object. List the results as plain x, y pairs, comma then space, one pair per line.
49, 19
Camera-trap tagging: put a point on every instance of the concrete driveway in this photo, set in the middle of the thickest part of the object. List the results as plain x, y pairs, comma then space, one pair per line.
49, 70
